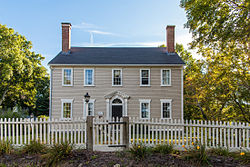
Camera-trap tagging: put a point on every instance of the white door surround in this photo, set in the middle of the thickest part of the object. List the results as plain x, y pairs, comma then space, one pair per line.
116, 95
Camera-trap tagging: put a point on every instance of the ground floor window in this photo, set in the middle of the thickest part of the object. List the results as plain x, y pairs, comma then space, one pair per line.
145, 108
166, 108
91, 108
66, 108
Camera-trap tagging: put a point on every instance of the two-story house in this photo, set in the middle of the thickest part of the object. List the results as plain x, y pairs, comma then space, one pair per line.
145, 82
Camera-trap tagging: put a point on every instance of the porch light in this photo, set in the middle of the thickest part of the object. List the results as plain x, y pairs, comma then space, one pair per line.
87, 97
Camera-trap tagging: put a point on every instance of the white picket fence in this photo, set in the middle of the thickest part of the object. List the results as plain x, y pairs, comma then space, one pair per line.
180, 133
108, 133
23, 131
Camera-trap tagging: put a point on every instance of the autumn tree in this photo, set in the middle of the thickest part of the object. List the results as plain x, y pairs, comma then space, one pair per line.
220, 30
20, 69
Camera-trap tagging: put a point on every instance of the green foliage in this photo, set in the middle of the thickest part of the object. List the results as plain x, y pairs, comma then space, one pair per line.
220, 29
8, 113
211, 21
221, 151
20, 69
34, 147
58, 152
163, 149
42, 97
5, 147
140, 151
197, 154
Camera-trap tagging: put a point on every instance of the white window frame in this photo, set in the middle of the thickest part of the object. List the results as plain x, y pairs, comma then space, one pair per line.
93, 76
71, 78
85, 112
148, 77
113, 76
67, 101
145, 101
166, 101
169, 77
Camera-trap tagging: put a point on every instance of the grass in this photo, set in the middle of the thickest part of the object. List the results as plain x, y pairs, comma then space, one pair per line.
140, 151
163, 149
197, 153
57, 153
5, 147
220, 151
34, 147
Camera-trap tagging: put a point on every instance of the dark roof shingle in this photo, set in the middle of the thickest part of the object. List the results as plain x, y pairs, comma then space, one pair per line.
114, 55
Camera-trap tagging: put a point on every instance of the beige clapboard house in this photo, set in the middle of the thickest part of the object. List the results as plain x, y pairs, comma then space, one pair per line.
128, 81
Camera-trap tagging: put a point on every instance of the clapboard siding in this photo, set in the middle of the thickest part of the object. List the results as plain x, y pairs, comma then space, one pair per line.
130, 86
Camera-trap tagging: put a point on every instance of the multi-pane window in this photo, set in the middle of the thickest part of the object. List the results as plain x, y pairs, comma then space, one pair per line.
145, 108
67, 77
66, 108
91, 109
145, 77
89, 77
166, 108
117, 77
165, 77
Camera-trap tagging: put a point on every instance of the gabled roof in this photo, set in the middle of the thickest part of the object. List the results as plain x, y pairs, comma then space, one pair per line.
117, 56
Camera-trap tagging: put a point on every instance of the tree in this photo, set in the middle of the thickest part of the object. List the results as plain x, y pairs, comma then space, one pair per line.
221, 34
20, 69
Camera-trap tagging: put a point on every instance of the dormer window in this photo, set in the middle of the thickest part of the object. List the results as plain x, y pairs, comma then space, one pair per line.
67, 77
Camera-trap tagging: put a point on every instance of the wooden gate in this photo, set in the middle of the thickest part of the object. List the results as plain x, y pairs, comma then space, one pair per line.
110, 135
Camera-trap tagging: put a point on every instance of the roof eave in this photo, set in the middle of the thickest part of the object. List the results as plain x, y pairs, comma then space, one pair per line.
116, 65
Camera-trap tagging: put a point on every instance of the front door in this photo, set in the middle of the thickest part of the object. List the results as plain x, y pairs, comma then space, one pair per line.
116, 111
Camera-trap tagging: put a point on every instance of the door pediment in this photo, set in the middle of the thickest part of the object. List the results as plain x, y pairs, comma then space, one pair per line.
116, 93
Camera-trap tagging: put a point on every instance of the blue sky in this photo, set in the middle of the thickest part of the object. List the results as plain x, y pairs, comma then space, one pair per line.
95, 22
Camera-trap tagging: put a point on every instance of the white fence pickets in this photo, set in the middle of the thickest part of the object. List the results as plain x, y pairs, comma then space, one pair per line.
110, 132
178, 132
23, 131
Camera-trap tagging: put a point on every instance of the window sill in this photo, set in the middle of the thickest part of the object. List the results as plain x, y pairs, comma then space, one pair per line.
67, 85
145, 85
117, 85
166, 85
89, 85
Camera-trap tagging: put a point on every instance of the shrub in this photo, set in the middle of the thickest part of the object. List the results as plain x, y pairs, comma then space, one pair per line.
58, 152
5, 147
197, 153
34, 147
140, 151
163, 149
9, 113
221, 151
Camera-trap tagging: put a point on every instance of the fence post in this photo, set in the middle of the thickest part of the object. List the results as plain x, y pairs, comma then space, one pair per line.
89, 129
126, 132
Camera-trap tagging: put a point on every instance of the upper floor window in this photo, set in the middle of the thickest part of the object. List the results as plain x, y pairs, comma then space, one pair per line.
67, 77
145, 108
116, 77
145, 77
88, 77
165, 77
166, 108
66, 108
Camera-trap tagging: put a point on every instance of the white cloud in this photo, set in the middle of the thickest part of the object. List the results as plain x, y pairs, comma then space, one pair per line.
84, 25
101, 32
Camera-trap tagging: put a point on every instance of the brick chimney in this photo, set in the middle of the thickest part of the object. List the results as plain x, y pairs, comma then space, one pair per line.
66, 37
170, 39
